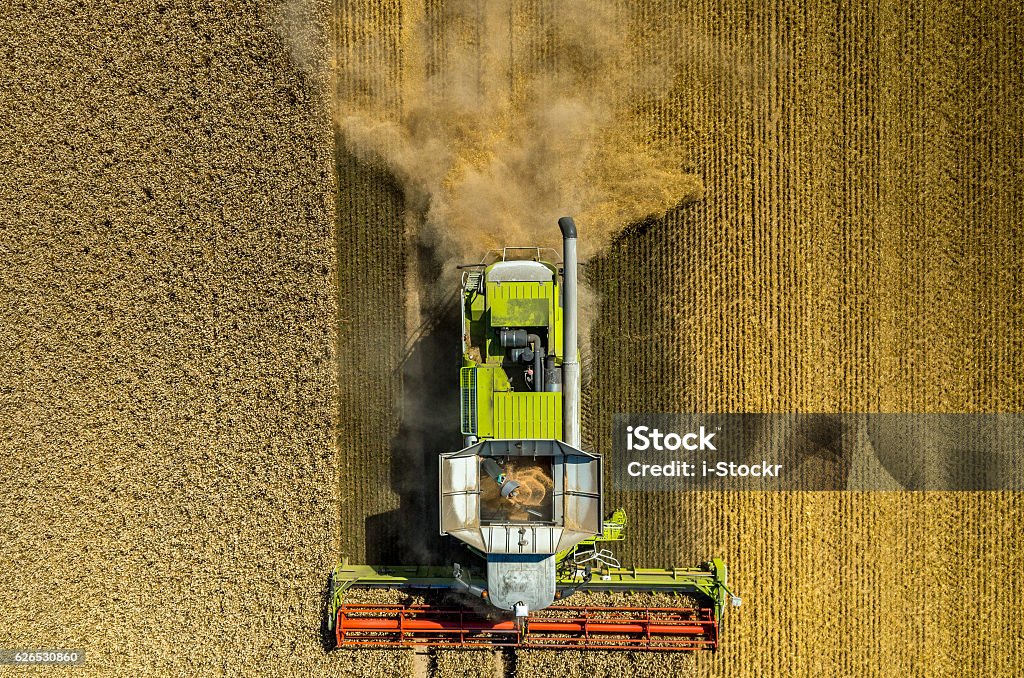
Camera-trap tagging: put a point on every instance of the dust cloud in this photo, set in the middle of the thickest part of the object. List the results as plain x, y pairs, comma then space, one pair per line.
494, 131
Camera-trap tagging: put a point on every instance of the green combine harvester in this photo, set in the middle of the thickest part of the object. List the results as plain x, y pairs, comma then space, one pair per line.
525, 498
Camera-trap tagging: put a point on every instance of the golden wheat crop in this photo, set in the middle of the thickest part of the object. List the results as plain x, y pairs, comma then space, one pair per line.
855, 249
224, 305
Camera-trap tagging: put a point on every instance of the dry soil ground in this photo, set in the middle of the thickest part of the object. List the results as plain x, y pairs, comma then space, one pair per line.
211, 370
168, 308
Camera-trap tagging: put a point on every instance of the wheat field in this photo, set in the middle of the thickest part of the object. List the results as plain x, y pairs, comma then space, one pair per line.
221, 321
857, 249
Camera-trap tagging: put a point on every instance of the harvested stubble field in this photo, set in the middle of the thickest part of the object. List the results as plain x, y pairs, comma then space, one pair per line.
168, 304
215, 348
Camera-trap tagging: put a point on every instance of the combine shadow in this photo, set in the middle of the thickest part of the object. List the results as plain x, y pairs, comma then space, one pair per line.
327, 640
428, 426
648, 347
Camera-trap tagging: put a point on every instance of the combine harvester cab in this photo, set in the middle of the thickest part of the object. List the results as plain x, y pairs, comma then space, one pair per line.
553, 504
525, 498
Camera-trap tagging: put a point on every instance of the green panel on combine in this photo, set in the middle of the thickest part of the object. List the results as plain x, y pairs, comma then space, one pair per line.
468, 400
476, 385
485, 410
528, 415
519, 304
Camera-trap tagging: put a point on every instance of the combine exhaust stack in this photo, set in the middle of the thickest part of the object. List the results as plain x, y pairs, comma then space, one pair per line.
525, 497
570, 361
